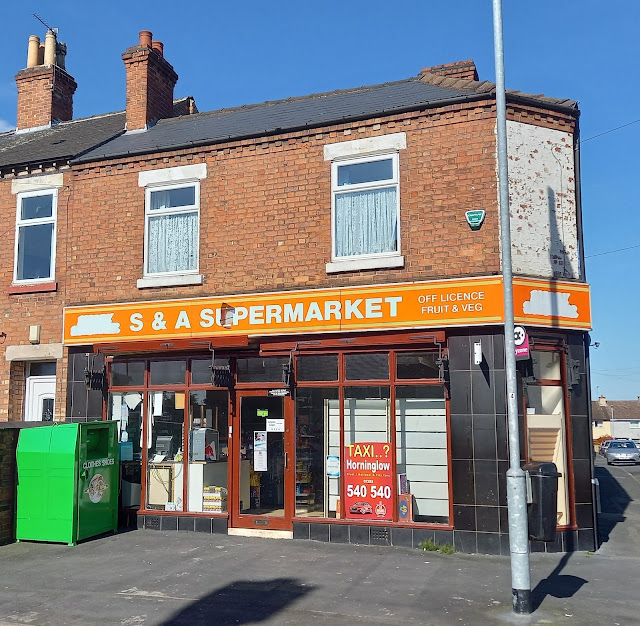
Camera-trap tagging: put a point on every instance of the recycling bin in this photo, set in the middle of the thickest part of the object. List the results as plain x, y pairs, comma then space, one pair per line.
68, 478
542, 511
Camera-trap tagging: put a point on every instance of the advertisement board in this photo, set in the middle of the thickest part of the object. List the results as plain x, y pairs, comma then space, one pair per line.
368, 481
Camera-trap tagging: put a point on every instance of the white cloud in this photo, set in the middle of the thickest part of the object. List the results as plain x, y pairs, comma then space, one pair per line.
550, 303
5, 126
98, 324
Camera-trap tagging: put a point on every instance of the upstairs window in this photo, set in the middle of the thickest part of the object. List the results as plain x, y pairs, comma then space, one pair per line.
35, 236
365, 203
172, 225
365, 206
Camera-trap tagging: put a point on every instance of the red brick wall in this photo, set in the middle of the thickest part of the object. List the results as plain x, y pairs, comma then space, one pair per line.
266, 211
21, 310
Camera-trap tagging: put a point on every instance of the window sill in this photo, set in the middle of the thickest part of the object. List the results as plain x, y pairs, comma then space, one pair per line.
179, 280
51, 285
355, 265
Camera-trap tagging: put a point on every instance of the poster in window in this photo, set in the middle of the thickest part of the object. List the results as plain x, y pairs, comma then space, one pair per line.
368, 481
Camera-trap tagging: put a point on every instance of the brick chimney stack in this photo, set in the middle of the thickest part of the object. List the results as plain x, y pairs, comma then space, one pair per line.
150, 83
602, 401
45, 89
465, 70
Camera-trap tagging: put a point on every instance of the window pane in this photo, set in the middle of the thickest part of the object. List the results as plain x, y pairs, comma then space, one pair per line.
366, 415
173, 243
367, 366
126, 408
417, 365
365, 172
167, 372
208, 451
366, 222
165, 450
169, 198
201, 370
421, 455
127, 374
34, 251
317, 367
37, 207
546, 365
45, 368
317, 436
259, 370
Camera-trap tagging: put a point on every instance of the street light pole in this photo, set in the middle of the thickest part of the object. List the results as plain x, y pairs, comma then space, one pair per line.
516, 478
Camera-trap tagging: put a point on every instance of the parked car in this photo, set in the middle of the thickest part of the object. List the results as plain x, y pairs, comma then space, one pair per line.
623, 451
603, 446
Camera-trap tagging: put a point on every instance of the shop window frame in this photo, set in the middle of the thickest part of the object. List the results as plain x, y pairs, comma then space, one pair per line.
392, 381
145, 389
557, 345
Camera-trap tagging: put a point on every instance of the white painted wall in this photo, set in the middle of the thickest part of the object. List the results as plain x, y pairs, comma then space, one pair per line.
544, 235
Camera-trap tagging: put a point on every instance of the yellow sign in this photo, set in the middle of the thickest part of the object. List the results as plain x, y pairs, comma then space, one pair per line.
432, 304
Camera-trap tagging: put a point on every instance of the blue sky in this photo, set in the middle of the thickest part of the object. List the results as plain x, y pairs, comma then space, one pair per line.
233, 53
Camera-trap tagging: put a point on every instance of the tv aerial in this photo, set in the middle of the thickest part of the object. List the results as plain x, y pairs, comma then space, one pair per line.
49, 28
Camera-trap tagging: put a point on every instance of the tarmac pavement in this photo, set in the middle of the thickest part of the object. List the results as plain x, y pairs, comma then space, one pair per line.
151, 577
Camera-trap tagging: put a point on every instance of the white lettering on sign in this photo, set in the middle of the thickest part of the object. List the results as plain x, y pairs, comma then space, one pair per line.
98, 463
466, 301
269, 314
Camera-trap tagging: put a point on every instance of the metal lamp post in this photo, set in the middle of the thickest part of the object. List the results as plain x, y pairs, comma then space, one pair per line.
516, 478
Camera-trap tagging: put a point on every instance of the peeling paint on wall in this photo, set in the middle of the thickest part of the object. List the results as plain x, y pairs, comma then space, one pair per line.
544, 236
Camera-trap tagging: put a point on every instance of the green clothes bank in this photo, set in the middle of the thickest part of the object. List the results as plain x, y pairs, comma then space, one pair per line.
68, 477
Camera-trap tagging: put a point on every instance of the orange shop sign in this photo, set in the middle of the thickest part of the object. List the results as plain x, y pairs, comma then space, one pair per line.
432, 304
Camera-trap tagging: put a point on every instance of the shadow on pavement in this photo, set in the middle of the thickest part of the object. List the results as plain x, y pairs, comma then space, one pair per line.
614, 500
556, 584
242, 602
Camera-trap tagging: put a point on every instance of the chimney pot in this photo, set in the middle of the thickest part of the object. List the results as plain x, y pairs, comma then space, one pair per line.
158, 46
602, 401
40, 55
145, 38
50, 49
34, 51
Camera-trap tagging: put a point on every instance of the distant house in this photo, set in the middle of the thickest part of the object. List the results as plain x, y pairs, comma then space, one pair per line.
616, 418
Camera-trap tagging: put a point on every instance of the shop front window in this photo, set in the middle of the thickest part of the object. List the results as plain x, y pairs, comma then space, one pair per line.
165, 450
127, 374
208, 473
317, 451
262, 370
421, 452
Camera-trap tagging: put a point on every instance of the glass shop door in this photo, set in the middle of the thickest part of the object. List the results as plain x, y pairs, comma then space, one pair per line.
263, 474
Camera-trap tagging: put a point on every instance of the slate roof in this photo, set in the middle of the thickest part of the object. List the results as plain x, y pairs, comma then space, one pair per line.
622, 410
61, 142
103, 136
279, 116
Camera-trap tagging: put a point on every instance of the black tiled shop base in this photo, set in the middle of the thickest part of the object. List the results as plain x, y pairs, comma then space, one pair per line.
463, 540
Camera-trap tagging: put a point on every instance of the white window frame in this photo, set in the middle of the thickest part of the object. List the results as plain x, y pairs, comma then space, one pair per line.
53, 191
364, 151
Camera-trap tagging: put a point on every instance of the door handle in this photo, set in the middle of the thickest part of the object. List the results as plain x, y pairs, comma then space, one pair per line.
286, 460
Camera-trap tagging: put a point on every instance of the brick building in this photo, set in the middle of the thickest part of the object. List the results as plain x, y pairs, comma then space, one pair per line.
289, 309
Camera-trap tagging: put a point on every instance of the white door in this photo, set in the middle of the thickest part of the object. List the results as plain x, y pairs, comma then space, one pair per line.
40, 398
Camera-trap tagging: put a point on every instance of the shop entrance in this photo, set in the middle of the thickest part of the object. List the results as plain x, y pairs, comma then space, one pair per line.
262, 472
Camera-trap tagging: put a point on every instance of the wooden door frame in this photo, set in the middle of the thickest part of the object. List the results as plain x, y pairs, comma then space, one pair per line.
236, 519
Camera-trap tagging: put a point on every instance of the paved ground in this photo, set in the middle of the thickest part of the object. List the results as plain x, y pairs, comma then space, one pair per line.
152, 577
